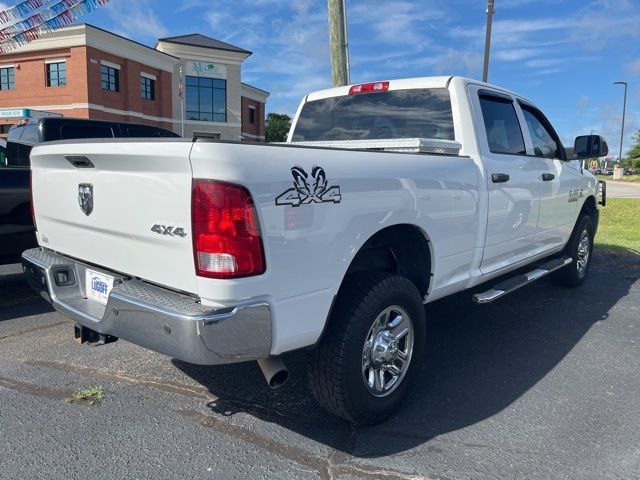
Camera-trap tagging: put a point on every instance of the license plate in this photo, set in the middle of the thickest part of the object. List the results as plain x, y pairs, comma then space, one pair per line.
98, 286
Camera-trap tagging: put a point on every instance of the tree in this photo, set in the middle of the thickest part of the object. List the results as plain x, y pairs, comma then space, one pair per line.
276, 127
634, 153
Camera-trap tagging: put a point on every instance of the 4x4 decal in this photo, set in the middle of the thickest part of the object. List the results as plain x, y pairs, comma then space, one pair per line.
308, 190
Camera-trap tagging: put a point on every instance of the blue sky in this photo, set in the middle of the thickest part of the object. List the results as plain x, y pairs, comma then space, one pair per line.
563, 55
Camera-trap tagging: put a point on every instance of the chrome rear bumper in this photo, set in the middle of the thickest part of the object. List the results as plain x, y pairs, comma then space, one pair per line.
152, 317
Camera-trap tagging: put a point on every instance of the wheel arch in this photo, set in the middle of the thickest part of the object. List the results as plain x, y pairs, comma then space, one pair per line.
403, 249
589, 206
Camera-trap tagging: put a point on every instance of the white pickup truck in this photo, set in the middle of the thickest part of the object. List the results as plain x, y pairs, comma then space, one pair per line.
387, 195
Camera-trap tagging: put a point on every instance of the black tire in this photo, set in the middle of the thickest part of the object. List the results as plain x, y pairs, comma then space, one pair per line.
335, 370
575, 274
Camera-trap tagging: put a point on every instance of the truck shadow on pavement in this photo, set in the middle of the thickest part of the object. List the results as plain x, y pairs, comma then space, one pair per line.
479, 360
17, 298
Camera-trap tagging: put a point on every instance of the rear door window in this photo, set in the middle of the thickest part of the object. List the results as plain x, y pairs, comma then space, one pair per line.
502, 126
71, 131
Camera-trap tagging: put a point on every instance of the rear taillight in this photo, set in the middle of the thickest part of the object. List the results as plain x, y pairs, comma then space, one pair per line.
226, 235
369, 88
33, 210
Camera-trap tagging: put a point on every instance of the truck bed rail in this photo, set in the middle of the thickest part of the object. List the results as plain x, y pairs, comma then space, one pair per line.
416, 145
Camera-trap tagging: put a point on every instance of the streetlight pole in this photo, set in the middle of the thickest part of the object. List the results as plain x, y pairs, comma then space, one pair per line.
624, 111
487, 41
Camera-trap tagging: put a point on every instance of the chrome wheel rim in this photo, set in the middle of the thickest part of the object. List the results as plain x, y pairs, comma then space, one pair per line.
583, 253
387, 351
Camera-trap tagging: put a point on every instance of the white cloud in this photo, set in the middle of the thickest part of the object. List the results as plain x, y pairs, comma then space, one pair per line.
399, 22
136, 19
459, 62
555, 62
516, 54
634, 67
290, 39
583, 103
544, 62
508, 4
189, 4
510, 32
605, 119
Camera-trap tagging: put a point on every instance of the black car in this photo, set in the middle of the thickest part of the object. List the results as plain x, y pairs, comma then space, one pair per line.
16, 224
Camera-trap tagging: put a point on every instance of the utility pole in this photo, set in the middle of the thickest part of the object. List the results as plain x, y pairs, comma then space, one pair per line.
624, 111
338, 42
487, 41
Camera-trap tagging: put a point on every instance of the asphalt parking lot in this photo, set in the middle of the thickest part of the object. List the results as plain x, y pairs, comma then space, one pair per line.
543, 384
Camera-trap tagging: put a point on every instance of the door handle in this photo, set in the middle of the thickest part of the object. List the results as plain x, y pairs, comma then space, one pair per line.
547, 177
499, 177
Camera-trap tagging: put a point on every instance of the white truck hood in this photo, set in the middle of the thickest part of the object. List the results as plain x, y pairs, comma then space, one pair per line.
130, 191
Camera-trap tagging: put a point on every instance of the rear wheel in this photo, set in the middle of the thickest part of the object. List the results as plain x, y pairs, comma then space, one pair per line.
363, 366
580, 249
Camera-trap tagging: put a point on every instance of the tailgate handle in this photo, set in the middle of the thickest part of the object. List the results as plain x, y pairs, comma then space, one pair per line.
80, 162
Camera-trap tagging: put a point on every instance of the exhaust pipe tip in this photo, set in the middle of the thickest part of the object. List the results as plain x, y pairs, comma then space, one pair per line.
279, 379
275, 372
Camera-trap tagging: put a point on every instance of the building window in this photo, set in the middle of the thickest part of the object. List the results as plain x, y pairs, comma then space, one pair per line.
56, 74
7, 78
252, 114
206, 99
148, 88
110, 78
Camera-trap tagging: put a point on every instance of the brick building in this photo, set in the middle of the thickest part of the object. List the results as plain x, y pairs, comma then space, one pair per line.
84, 71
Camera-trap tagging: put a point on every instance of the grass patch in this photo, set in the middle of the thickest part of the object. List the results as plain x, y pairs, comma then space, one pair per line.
619, 229
89, 395
626, 178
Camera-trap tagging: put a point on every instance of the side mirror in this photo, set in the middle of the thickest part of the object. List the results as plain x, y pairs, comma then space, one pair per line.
590, 146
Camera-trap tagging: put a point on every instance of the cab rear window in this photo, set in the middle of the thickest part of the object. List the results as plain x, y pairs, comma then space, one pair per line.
423, 113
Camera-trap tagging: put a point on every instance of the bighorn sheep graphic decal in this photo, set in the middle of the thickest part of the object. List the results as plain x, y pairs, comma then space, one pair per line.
309, 190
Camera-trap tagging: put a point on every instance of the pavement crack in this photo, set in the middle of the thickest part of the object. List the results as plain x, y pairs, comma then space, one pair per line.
35, 329
169, 387
293, 453
326, 469
32, 389
340, 457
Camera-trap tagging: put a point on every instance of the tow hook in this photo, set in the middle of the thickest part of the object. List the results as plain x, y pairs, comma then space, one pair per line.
83, 334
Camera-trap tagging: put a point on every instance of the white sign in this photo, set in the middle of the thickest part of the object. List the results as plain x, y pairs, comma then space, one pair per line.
205, 69
14, 113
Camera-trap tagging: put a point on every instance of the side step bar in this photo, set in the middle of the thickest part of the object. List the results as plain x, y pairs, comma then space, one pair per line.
513, 284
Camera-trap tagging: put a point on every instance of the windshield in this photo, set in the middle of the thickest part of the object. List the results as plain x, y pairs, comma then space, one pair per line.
423, 113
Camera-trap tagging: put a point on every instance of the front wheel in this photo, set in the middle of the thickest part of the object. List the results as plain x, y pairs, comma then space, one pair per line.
363, 365
580, 249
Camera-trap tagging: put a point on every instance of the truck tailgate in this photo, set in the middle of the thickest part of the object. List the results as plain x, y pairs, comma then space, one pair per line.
127, 189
